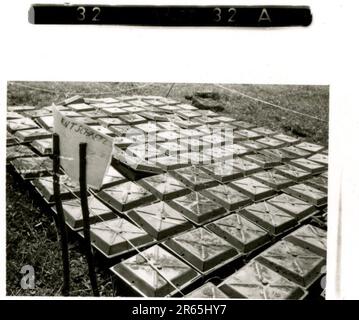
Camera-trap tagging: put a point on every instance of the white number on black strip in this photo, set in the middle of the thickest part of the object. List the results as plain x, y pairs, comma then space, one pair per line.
81, 13
230, 14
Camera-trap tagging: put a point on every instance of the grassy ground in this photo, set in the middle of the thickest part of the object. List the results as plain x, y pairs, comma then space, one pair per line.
31, 233
311, 100
32, 240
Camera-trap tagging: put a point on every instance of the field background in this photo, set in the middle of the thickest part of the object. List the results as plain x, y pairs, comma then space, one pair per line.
31, 235
310, 100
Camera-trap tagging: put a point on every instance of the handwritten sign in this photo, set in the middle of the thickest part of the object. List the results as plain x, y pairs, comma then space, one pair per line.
98, 151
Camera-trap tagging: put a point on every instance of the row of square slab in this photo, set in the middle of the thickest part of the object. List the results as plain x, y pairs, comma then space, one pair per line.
232, 196
260, 185
160, 220
283, 271
216, 197
245, 230
170, 155
135, 106
21, 125
275, 215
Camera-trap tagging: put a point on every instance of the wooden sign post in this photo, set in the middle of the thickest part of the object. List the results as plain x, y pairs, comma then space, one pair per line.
60, 215
88, 165
86, 219
61, 219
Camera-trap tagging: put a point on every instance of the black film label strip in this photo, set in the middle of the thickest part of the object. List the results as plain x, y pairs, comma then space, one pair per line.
172, 16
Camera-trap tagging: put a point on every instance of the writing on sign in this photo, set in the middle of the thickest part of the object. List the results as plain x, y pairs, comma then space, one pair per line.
98, 151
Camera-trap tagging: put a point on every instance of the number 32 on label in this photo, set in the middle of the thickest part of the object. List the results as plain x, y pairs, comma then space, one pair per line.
95, 13
229, 15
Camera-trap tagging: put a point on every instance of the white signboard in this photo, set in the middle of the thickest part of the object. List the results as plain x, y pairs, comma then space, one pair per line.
98, 151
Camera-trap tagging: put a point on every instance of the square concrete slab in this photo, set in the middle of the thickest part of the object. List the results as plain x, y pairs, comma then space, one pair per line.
289, 140
308, 165
318, 182
249, 134
239, 232
310, 147
80, 107
43, 146
265, 161
252, 188
227, 196
311, 238
308, 194
273, 179
125, 196
112, 178
269, 217
201, 248
21, 124
108, 122
18, 151
103, 130
194, 178
246, 166
293, 172
145, 151
32, 134
164, 186
296, 152
125, 131
168, 126
117, 236
133, 118
155, 272
295, 263
256, 281
97, 212
33, 114
264, 131
197, 207
253, 145
46, 122
172, 162
271, 142
295, 207
207, 291
278, 154
159, 220
68, 188
222, 171
320, 158
29, 168
114, 111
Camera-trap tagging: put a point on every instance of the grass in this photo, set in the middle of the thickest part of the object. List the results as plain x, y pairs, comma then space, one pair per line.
310, 100
31, 232
32, 240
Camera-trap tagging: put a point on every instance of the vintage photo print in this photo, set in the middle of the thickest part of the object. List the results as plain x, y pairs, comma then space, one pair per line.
187, 190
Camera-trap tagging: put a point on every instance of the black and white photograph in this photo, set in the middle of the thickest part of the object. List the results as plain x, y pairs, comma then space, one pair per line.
169, 190
179, 159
